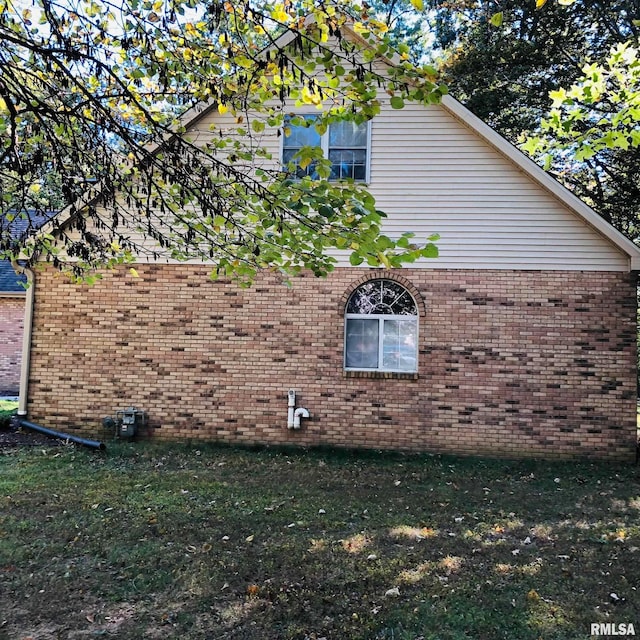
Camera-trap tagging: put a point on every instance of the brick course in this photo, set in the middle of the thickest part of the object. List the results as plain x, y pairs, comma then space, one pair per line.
511, 363
11, 323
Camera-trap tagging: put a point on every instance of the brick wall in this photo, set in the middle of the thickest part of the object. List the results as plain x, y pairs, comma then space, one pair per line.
512, 363
11, 323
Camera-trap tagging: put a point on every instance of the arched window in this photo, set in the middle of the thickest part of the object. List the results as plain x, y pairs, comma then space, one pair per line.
381, 328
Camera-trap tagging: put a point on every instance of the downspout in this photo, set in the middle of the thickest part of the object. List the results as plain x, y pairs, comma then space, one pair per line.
26, 336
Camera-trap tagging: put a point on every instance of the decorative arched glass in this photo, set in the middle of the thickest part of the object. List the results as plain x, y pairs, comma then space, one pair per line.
381, 328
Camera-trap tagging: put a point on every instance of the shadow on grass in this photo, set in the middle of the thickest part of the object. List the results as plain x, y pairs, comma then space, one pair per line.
202, 541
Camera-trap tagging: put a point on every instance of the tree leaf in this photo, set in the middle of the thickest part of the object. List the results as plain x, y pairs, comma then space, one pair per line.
496, 19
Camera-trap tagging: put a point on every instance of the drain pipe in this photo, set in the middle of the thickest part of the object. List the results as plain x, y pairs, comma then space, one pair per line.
26, 336
300, 412
294, 415
291, 408
67, 437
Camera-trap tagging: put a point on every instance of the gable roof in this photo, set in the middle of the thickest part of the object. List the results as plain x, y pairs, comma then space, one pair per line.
193, 115
535, 172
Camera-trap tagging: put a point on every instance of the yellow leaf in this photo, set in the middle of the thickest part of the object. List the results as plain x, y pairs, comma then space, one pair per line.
496, 19
418, 5
279, 14
134, 273
558, 96
222, 108
540, 3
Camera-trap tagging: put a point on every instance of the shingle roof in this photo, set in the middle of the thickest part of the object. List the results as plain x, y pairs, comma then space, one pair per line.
10, 281
19, 227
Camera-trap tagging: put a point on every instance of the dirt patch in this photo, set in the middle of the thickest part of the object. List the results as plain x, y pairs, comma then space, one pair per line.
15, 438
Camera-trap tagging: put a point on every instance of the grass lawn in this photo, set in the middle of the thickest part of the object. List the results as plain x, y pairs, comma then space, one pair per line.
7, 409
150, 541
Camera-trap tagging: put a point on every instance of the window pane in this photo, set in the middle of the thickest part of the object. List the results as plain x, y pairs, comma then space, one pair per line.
361, 344
302, 137
348, 134
288, 155
399, 344
347, 163
382, 296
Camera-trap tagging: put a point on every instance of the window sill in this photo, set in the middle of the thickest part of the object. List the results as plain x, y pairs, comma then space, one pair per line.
381, 375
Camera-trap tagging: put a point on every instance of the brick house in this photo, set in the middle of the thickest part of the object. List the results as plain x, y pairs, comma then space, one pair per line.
12, 295
518, 340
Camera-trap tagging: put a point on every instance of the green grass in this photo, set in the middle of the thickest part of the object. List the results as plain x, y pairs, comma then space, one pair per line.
218, 543
7, 409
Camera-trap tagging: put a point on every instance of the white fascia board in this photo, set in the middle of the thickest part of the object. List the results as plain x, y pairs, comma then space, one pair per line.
546, 181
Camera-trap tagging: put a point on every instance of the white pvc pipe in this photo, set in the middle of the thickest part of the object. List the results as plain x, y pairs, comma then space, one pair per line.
300, 412
290, 412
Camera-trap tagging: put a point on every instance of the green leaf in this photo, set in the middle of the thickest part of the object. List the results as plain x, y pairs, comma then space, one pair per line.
397, 102
356, 259
496, 19
326, 211
430, 251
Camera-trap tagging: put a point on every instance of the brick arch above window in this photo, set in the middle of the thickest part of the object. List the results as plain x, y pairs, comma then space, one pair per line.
383, 274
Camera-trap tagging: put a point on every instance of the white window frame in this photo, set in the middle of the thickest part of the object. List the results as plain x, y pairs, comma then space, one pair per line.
324, 145
381, 318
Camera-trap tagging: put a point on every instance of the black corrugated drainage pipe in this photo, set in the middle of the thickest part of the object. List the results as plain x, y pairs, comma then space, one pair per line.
92, 444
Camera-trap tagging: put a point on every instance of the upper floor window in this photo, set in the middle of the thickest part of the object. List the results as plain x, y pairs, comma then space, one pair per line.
345, 144
381, 328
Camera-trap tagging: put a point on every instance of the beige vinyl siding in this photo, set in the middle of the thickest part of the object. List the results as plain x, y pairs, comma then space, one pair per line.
430, 173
